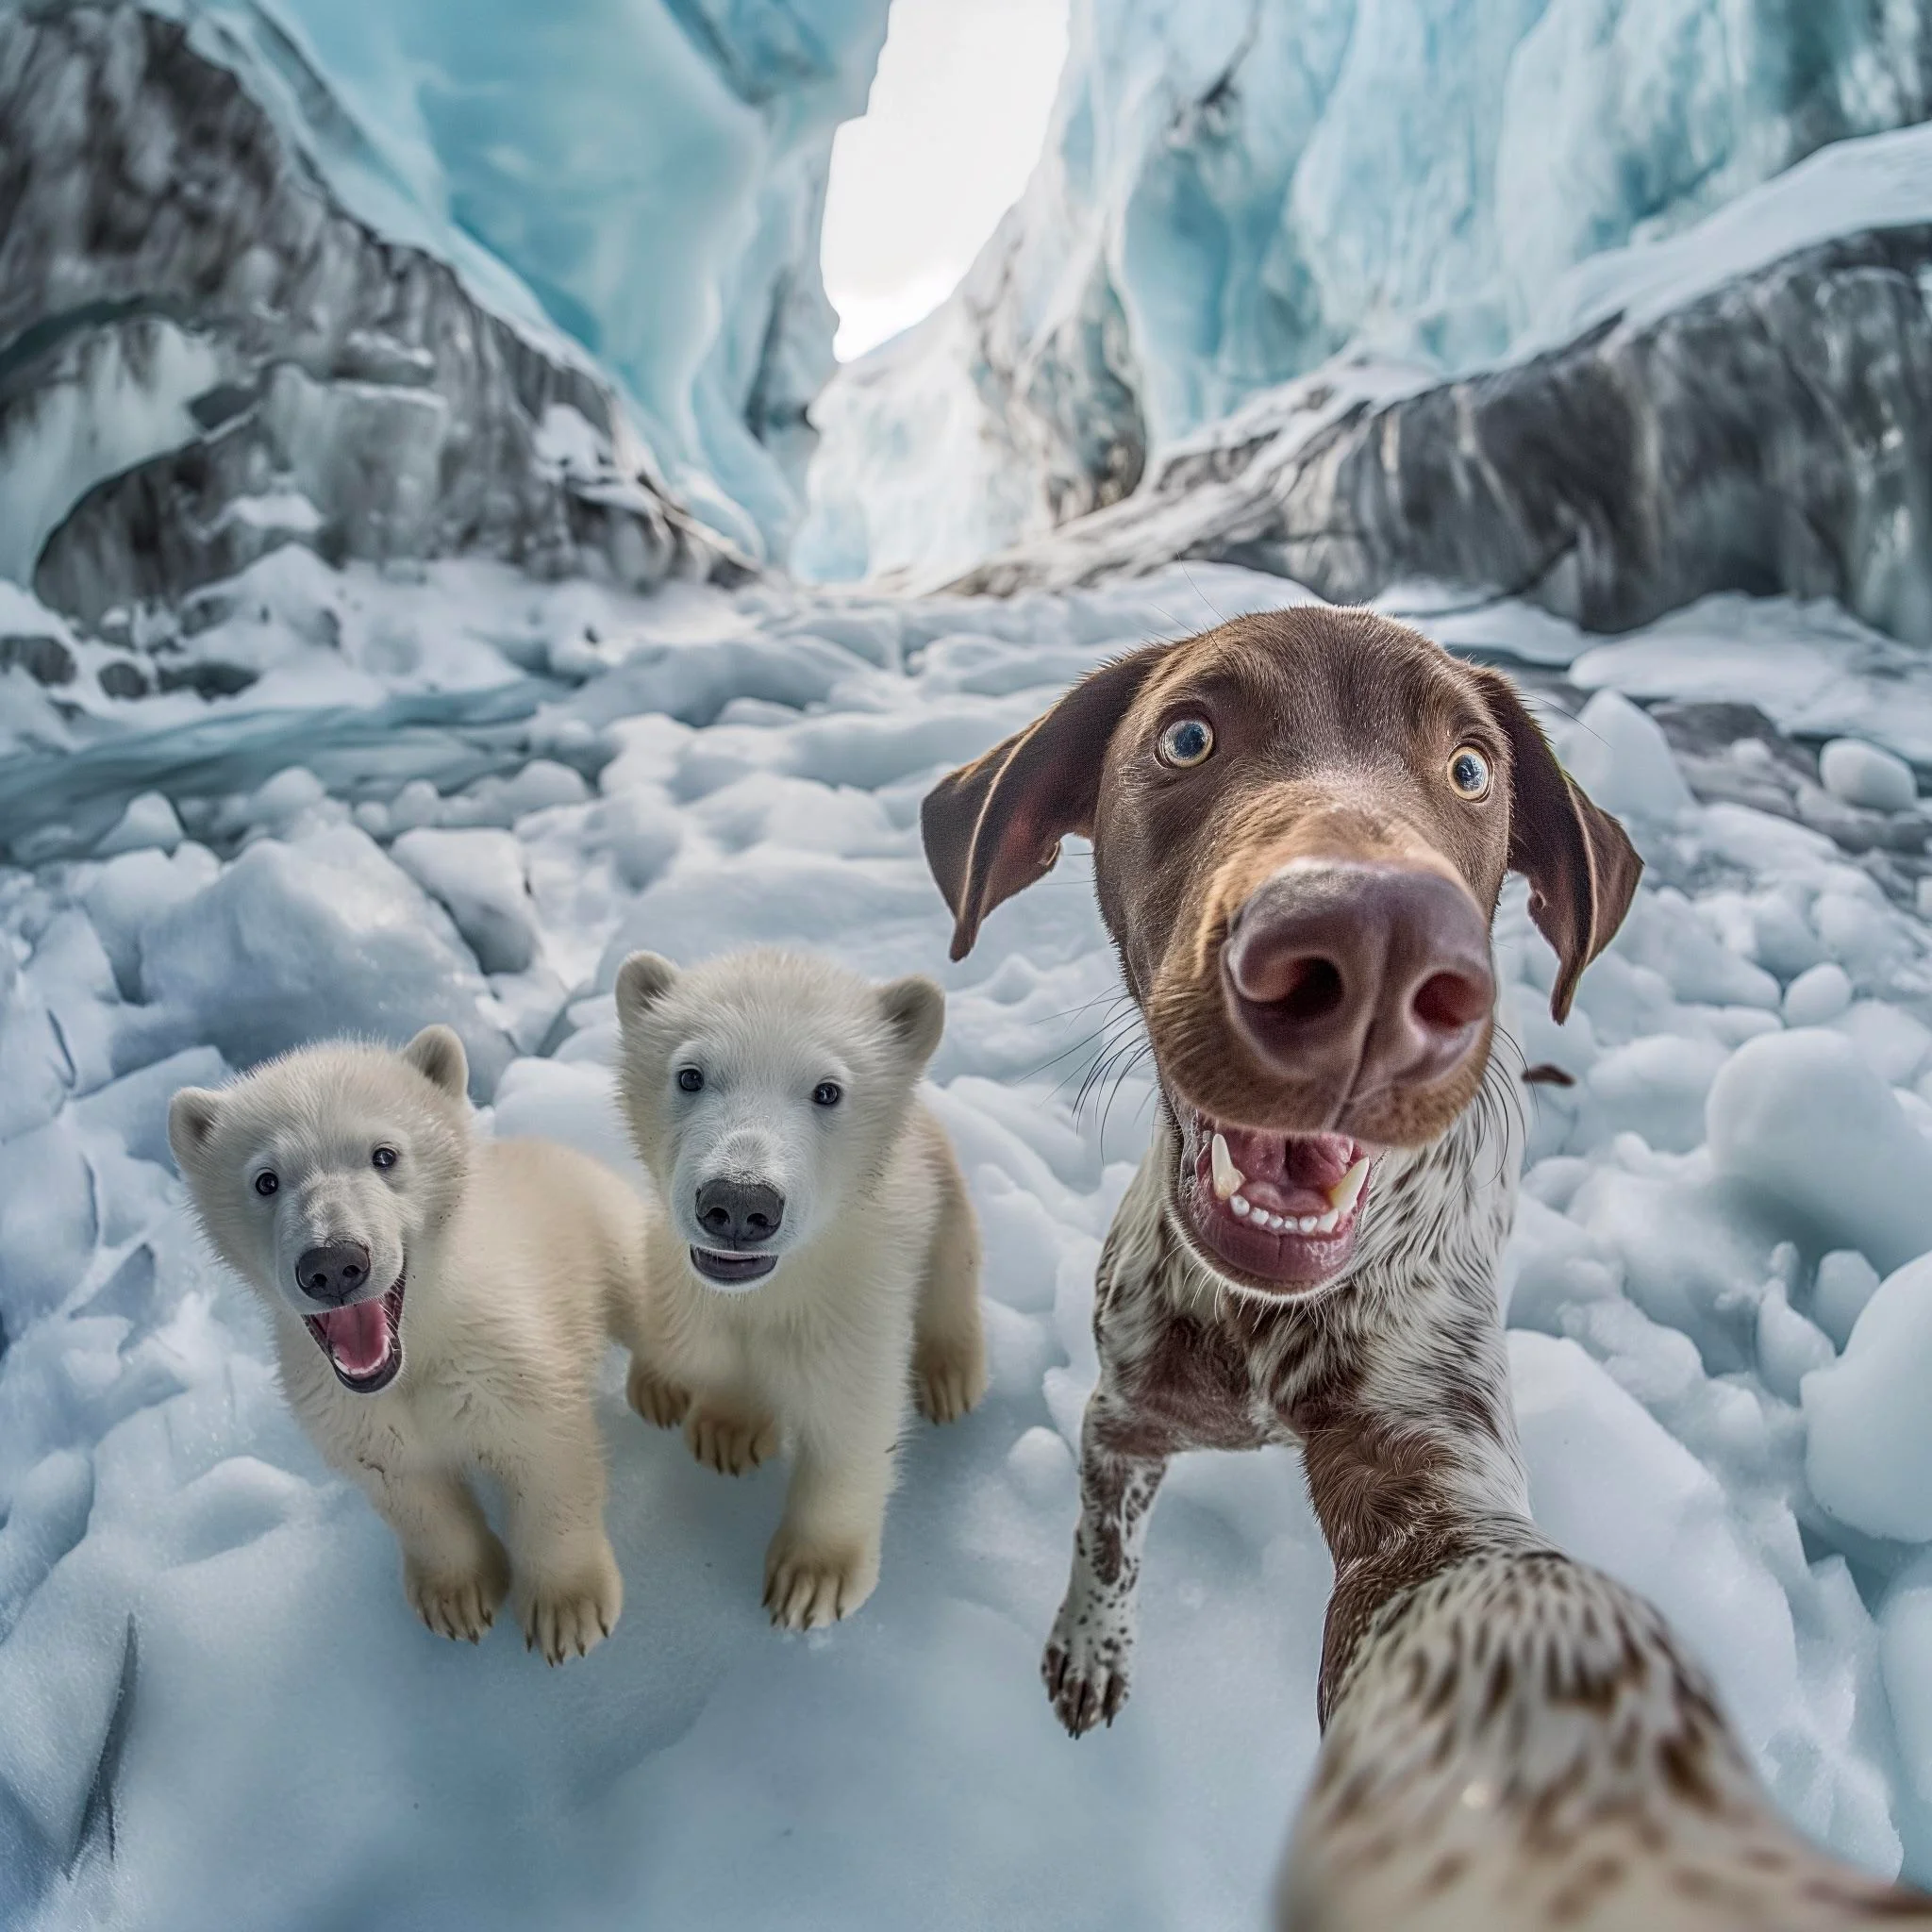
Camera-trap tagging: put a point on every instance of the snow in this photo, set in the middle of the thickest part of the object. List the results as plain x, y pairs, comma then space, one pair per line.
464, 798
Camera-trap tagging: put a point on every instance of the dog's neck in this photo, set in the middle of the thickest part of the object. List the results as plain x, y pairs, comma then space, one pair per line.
1395, 1378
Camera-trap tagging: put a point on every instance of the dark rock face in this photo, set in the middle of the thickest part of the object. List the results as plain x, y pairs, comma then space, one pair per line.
302, 379
1774, 436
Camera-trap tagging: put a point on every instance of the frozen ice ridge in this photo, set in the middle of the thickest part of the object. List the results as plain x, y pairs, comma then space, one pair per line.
1234, 191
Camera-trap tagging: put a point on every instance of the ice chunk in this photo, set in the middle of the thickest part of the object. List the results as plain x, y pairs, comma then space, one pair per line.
49, 1219
478, 875
148, 821
1868, 1438
1788, 1345
1846, 1281
325, 935
1802, 1121
1819, 994
1866, 775
1617, 753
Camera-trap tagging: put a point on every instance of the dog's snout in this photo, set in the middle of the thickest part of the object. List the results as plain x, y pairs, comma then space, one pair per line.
333, 1273
740, 1213
1362, 975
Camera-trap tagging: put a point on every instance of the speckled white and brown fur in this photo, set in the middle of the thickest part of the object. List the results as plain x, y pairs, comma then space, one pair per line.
1511, 1740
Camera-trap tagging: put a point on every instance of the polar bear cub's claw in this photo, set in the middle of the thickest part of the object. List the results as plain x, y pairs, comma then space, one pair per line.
809, 1586
570, 1615
458, 1603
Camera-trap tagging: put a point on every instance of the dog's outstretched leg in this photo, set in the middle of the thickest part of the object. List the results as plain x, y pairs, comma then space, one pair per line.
1090, 1652
948, 1343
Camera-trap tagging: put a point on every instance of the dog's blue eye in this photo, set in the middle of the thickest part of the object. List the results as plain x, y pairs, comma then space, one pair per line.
1468, 771
1185, 741
828, 1093
690, 1079
265, 1184
384, 1158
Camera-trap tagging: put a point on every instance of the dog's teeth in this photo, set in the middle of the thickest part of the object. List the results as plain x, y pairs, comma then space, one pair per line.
1228, 1177
1348, 1189
1278, 1224
1241, 1207
1327, 1223
1306, 1223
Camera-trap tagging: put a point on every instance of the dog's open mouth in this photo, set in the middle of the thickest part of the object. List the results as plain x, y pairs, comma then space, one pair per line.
731, 1271
363, 1341
1279, 1211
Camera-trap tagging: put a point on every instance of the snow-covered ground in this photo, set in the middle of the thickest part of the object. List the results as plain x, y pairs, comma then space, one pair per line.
452, 792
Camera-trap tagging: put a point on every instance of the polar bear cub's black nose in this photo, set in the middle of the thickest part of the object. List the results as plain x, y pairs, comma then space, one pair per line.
739, 1214
334, 1273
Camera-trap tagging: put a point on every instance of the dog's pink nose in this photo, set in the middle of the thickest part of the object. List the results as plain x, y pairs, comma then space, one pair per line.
1365, 976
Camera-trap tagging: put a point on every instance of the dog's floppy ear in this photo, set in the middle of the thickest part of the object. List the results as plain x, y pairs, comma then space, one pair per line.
1581, 866
192, 1116
436, 1053
642, 980
915, 1009
993, 828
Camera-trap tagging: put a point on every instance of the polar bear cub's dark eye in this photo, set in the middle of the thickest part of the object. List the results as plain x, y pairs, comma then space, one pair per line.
827, 1093
384, 1158
266, 1183
689, 1080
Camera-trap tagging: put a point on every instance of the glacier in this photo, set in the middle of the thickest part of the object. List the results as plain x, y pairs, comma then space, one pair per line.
1237, 191
444, 280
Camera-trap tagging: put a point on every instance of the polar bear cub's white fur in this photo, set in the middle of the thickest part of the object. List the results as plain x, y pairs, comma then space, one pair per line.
816, 1258
440, 1308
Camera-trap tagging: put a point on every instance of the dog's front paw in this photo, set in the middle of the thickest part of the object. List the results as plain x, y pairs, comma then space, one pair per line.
729, 1441
663, 1405
461, 1602
948, 1377
570, 1612
1086, 1665
809, 1585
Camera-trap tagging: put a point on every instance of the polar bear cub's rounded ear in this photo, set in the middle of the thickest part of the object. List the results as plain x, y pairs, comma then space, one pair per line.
436, 1053
915, 1009
642, 980
192, 1117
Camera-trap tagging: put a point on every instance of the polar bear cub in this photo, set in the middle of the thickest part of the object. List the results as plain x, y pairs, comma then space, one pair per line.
441, 1307
816, 1256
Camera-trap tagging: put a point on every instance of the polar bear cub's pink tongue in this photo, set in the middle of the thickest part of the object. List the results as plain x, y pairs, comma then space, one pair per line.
358, 1337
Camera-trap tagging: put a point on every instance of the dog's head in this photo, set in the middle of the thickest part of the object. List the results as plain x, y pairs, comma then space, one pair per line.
765, 1092
321, 1176
1301, 822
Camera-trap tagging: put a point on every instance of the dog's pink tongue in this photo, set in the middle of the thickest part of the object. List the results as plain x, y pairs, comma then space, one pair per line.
358, 1337
1314, 1161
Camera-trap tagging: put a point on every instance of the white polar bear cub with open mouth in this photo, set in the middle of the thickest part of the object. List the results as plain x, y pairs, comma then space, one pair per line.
816, 1258
440, 1308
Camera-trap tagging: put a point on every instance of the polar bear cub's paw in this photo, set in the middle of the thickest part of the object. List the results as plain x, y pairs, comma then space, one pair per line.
569, 1612
809, 1585
459, 1601
661, 1404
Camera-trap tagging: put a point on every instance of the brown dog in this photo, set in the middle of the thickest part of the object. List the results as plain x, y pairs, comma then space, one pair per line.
1301, 825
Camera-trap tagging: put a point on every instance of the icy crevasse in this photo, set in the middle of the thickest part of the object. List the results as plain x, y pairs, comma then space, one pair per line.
1233, 190
341, 268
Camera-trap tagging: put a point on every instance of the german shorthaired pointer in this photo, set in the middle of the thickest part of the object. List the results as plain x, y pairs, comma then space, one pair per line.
1301, 823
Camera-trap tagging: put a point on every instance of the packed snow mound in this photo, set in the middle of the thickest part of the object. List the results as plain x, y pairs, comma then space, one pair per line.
184, 1587
1234, 191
